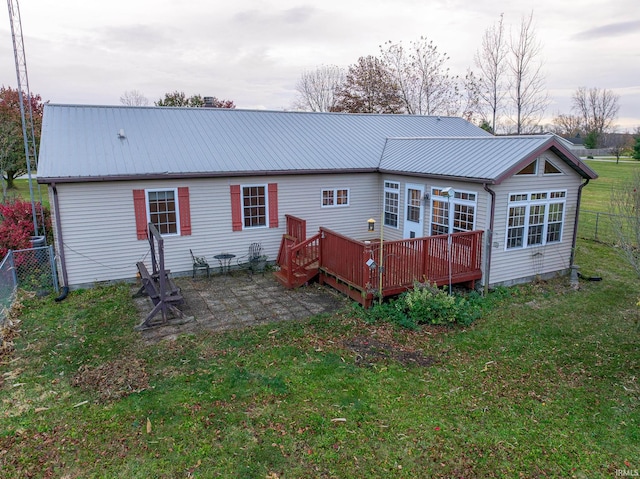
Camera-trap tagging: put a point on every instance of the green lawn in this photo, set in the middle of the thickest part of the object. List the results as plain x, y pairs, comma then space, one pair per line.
22, 190
544, 385
596, 196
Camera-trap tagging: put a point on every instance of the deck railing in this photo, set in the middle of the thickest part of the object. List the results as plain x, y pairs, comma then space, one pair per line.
296, 228
358, 269
439, 259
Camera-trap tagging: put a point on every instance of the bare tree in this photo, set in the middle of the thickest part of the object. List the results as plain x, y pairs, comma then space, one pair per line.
134, 98
316, 89
625, 209
598, 109
369, 88
422, 78
567, 126
527, 88
491, 60
469, 97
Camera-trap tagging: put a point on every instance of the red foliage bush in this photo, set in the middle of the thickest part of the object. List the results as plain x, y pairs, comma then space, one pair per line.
16, 226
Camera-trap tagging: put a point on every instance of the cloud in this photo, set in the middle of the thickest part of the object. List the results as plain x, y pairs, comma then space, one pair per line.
610, 30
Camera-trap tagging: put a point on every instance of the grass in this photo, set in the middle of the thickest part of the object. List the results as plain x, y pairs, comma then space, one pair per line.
544, 385
596, 198
22, 190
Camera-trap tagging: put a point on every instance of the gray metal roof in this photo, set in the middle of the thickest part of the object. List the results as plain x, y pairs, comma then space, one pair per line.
485, 159
82, 142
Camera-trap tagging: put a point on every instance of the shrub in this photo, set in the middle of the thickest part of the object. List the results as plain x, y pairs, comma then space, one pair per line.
16, 227
427, 304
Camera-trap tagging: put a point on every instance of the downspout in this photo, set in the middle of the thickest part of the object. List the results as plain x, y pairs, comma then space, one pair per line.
575, 225
63, 263
492, 215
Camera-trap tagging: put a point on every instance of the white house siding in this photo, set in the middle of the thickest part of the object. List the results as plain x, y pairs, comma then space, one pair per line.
520, 265
100, 242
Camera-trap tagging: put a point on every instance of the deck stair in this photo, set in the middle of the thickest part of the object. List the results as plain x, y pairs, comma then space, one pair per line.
299, 261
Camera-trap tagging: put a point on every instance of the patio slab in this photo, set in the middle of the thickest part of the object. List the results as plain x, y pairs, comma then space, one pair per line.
239, 300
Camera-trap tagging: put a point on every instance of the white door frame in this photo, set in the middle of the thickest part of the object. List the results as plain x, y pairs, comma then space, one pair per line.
413, 229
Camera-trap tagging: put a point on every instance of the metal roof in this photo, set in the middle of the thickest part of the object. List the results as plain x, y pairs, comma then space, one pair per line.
484, 159
101, 142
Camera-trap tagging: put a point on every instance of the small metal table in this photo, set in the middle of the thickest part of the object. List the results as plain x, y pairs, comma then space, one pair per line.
225, 261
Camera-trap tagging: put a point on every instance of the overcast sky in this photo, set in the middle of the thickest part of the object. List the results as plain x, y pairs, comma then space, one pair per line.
253, 51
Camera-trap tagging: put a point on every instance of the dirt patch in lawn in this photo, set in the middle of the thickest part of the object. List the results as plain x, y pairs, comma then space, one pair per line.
369, 350
113, 380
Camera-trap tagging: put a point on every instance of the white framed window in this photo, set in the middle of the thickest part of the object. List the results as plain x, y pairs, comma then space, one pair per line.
535, 219
254, 206
551, 169
162, 210
530, 169
335, 197
454, 214
391, 203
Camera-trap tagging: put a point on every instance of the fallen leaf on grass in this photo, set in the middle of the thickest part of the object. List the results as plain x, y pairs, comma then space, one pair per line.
148, 426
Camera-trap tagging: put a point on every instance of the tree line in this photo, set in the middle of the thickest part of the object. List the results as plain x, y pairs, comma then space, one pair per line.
505, 94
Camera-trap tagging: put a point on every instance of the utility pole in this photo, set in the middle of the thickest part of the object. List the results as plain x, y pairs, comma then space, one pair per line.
26, 114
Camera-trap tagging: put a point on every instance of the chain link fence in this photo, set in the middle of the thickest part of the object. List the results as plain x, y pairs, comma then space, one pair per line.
599, 226
32, 269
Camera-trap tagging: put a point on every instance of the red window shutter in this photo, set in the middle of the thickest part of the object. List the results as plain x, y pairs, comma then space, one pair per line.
185, 211
273, 205
236, 208
140, 210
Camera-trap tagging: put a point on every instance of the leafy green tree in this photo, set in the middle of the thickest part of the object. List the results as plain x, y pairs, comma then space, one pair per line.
636, 149
179, 98
591, 140
12, 158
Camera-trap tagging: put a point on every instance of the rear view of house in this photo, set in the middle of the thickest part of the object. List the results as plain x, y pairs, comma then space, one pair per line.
217, 180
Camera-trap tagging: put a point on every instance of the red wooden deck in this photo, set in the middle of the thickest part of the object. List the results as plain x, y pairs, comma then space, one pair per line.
340, 261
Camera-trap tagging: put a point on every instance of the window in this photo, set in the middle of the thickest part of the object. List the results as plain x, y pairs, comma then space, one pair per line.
551, 169
335, 197
162, 210
168, 209
535, 219
463, 208
530, 169
414, 198
254, 206
391, 203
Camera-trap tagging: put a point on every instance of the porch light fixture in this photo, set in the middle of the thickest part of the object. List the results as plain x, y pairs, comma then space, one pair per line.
371, 224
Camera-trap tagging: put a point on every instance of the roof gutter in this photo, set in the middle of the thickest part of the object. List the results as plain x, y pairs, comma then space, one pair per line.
489, 240
196, 175
56, 212
575, 224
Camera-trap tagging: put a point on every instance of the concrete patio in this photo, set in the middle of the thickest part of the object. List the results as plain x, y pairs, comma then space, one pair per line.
239, 300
